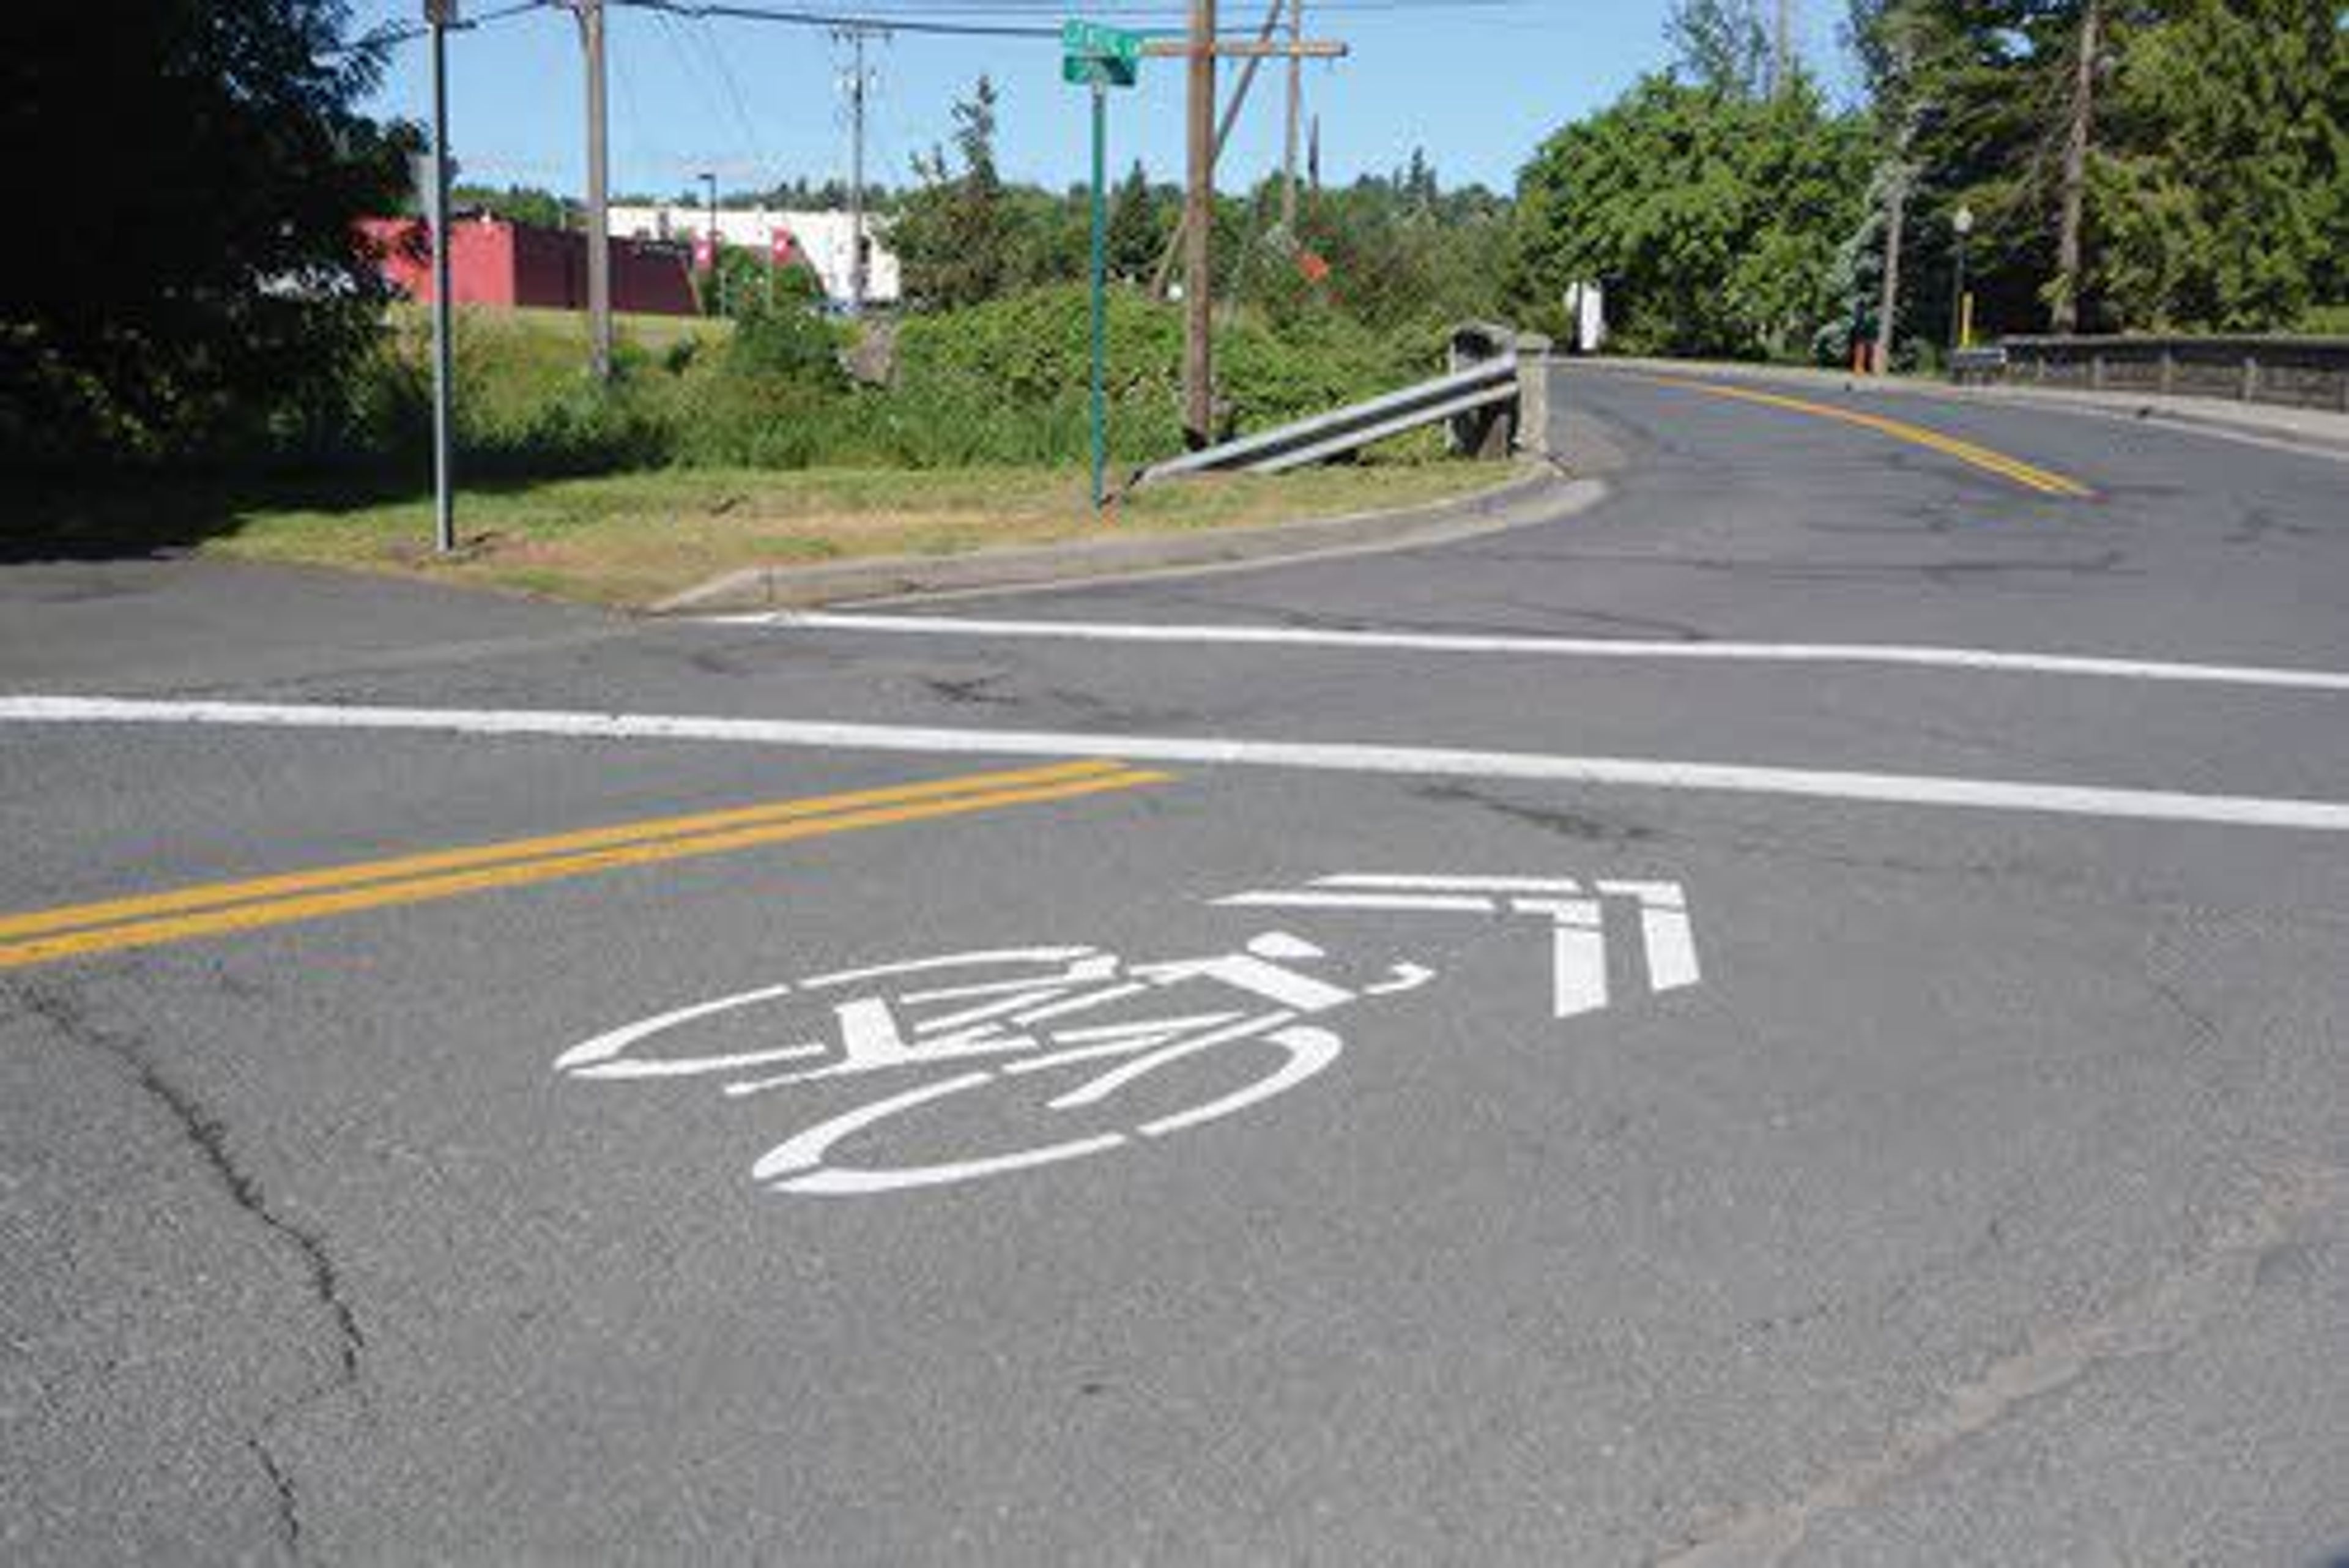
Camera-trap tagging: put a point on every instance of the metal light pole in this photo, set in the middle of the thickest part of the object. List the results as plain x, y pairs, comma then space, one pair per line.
439, 14
1961, 304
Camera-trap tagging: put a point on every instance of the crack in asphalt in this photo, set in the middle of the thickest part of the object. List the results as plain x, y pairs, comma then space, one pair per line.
968, 691
209, 1138
1565, 824
2154, 1320
289, 1510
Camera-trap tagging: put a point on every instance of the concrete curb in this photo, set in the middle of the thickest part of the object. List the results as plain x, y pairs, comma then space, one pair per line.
1545, 491
2314, 431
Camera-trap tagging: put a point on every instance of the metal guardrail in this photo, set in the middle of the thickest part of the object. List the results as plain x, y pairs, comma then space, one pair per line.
1482, 385
2296, 372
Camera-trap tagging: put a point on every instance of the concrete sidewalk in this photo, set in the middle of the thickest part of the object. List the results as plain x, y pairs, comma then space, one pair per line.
2315, 431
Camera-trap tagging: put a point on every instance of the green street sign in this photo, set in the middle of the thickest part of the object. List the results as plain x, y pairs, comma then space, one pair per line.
1093, 41
1095, 56
1088, 70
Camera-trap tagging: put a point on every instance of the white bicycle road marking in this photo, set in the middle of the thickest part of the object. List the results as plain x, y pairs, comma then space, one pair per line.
1422, 762
1862, 653
961, 1014
884, 1036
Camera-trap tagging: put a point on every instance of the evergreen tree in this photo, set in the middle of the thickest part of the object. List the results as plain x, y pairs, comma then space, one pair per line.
1138, 226
954, 236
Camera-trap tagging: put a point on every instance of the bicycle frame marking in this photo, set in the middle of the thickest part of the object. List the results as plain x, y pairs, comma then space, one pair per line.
1068, 1008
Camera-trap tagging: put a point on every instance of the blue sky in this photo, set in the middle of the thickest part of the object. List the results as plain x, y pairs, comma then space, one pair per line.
1477, 85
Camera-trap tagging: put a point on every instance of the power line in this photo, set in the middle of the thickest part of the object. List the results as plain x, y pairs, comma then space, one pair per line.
385, 37
935, 18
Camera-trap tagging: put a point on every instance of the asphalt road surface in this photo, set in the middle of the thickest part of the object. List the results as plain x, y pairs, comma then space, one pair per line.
1797, 1013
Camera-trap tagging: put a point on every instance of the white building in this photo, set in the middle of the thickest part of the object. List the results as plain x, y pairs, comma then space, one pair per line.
824, 238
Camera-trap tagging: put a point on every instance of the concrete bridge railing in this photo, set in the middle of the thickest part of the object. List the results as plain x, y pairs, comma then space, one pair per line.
2296, 372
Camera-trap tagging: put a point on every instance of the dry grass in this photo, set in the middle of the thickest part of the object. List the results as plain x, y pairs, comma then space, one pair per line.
633, 539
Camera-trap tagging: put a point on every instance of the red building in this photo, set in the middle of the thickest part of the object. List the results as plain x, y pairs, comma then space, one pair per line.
496, 260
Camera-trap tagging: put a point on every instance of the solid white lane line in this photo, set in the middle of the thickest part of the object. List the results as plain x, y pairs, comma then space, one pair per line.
1893, 789
1897, 654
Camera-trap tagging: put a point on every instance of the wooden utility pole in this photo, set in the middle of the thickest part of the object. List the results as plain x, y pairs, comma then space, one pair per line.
1199, 220
1781, 49
1296, 102
1223, 123
858, 85
2063, 312
1202, 50
599, 223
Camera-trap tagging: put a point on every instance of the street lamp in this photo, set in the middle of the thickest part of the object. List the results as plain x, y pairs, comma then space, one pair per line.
1961, 304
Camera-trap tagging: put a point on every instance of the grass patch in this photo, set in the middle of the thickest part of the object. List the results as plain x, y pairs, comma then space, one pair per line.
632, 539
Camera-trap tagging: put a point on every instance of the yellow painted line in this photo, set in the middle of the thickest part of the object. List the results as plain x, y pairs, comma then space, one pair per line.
815, 818
213, 895
2029, 475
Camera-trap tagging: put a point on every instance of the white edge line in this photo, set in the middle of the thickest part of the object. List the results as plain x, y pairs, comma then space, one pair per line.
1895, 789
1926, 657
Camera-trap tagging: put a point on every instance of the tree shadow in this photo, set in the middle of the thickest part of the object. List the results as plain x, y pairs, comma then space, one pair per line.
97, 514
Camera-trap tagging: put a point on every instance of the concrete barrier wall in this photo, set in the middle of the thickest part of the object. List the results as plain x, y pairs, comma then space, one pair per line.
2294, 372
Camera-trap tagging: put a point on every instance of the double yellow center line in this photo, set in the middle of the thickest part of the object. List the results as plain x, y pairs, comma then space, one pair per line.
218, 908
2028, 475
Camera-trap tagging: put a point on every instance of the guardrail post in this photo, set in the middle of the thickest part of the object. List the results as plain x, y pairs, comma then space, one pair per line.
2251, 377
2095, 371
1486, 433
1533, 393
2168, 373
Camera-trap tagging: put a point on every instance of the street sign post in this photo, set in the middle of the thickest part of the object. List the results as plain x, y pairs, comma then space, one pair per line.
1098, 59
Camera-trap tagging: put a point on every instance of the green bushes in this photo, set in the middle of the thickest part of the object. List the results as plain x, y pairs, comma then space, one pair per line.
1008, 379
999, 384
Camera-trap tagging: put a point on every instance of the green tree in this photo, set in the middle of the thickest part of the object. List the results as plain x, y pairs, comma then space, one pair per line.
522, 203
953, 234
2213, 159
1712, 220
1140, 219
2221, 194
1720, 45
214, 293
